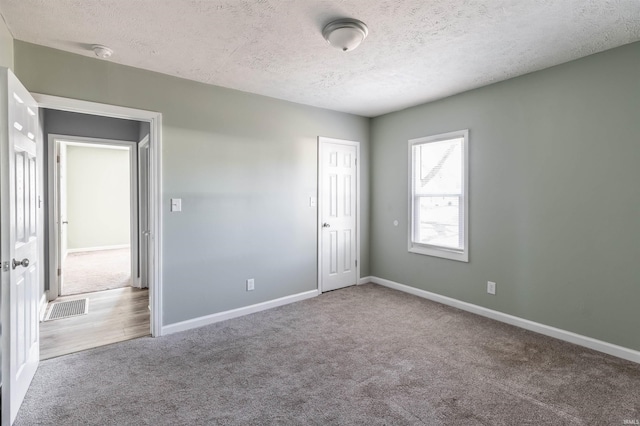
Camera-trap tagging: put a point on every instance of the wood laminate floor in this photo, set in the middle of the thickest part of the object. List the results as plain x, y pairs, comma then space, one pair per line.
114, 316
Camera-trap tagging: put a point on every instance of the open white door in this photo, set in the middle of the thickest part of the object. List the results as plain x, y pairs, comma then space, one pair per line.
21, 237
62, 213
338, 213
143, 212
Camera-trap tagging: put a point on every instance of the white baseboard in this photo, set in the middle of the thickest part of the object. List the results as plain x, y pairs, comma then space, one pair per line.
567, 336
100, 248
234, 313
364, 280
42, 306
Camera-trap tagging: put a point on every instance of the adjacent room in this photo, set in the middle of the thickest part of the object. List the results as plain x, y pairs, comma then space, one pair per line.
332, 212
97, 212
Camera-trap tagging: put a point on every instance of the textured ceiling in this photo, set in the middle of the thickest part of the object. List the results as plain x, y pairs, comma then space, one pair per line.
417, 50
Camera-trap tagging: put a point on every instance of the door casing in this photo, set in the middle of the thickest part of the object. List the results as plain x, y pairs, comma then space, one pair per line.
321, 169
155, 183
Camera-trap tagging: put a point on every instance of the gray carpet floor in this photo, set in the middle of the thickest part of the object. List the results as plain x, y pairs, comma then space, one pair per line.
89, 271
363, 355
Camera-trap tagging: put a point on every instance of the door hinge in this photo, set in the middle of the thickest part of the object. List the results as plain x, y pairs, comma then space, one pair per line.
57, 159
59, 271
5, 266
356, 263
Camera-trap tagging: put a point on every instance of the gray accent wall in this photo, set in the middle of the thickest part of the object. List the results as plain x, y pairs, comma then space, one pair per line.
6, 46
555, 196
89, 126
244, 165
144, 130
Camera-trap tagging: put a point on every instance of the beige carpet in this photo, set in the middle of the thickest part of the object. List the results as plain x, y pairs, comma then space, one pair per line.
90, 271
363, 355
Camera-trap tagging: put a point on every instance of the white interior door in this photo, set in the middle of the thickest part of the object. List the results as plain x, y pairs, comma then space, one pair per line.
338, 214
62, 213
21, 237
143, 211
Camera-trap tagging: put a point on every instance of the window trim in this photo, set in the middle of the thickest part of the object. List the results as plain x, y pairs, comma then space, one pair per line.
433, 250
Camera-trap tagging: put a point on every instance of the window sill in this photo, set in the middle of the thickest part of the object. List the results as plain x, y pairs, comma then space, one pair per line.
451, 254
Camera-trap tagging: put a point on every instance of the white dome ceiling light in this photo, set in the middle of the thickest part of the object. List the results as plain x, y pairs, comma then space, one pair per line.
345, 34
102, 52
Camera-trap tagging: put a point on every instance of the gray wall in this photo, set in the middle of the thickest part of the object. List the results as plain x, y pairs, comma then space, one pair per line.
98, 197
89, 126
143, 130
6, 46
555, 196
244, 166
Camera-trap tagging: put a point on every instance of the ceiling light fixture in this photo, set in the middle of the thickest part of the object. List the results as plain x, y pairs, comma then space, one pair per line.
345, 34
101, 51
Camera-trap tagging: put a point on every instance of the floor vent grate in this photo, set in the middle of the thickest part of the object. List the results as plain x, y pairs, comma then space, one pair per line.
71, 308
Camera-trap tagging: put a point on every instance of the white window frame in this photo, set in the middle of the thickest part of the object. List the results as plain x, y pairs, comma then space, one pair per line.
461, 255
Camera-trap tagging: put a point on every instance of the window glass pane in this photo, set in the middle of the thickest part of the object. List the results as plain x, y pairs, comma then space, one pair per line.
438, 200
438, 167
438, 221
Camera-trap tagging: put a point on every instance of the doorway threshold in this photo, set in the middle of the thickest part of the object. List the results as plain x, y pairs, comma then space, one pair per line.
115, 316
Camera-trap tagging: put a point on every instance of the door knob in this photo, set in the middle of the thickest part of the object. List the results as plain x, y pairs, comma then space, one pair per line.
326, 225
24, 262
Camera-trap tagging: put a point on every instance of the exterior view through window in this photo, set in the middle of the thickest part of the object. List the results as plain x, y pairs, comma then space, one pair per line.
438, 198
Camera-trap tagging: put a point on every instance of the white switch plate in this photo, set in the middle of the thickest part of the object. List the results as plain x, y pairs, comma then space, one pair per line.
251, 284
312, 201
491, 287
176, 204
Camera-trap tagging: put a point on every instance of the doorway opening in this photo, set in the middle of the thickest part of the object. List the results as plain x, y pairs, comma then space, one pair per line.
94, 244
149, 155
98, 249
97, 215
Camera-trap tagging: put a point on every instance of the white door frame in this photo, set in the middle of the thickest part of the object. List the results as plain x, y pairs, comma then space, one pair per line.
321, 141
155, 182
55, 256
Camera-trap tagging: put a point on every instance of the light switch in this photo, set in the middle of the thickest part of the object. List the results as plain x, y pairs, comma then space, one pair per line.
312, 201
176, 204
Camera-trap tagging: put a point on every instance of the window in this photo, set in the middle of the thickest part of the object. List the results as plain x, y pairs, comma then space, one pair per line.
438, 205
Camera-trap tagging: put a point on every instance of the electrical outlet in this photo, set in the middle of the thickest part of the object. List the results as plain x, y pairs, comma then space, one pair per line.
491, 287
251, 284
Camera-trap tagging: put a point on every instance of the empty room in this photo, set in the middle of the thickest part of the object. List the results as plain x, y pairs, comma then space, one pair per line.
335, 212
